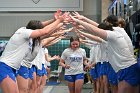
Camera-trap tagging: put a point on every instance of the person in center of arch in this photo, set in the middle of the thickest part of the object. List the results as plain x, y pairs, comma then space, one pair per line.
72, 59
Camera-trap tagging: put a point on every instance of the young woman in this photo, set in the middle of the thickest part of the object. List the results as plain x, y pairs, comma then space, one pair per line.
23, 72
72, 59
121, 58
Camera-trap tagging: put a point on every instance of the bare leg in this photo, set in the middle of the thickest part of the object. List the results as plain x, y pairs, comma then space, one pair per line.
29, 85
38, 80
124, 87
43, 83
9, 86
22, 84
71, 86
114, 88
33, 86
101, 84
78, 85
97, 85
106, 85
94, 85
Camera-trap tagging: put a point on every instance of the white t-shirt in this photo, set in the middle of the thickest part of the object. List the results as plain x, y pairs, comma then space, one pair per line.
74, 58
40, 59
119, 52
17, 48
127, 38
103, 49
94, 52
30, 56
93, 48
46, 63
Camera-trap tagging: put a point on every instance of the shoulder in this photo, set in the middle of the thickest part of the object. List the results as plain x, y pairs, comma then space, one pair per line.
82, 49
25, 32
66, 50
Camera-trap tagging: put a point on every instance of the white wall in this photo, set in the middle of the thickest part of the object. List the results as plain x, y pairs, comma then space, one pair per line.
10, 22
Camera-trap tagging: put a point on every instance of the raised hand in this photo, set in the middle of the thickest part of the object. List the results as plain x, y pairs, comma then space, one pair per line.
67, 18
57, 14
73, 21
77, 15
80, 27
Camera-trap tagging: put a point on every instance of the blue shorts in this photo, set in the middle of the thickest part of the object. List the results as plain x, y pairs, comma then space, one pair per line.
24, 72
93, 73
42, 72
112, 75
138, 62
130, 75
5, 71
73, 78
104, 68
98, 68
31, 71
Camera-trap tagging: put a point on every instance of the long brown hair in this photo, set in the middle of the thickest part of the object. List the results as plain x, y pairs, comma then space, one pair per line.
112, 20
35, 24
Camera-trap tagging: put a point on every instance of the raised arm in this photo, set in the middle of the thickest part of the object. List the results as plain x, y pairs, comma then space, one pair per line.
91, 28
62, 32
92, 37
45, 23
46, 30
55, 40
48, 40
81, 17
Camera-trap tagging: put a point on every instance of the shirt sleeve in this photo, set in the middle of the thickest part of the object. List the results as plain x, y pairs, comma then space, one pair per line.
111, 35
26, 32
46, 50
63, 56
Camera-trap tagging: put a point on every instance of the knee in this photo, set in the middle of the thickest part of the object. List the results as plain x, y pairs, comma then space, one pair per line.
24, 89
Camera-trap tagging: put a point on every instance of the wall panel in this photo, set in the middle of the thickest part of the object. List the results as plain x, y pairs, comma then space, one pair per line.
41, 5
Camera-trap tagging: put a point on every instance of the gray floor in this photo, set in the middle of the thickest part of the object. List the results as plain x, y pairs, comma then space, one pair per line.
62, 88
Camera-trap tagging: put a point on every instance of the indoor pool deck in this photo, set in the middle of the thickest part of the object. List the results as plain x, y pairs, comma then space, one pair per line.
62, 88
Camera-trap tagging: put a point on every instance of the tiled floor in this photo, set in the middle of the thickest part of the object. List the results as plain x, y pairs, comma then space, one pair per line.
62, 88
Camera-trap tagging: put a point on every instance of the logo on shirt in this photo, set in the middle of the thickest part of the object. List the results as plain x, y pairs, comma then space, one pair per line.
75, 59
